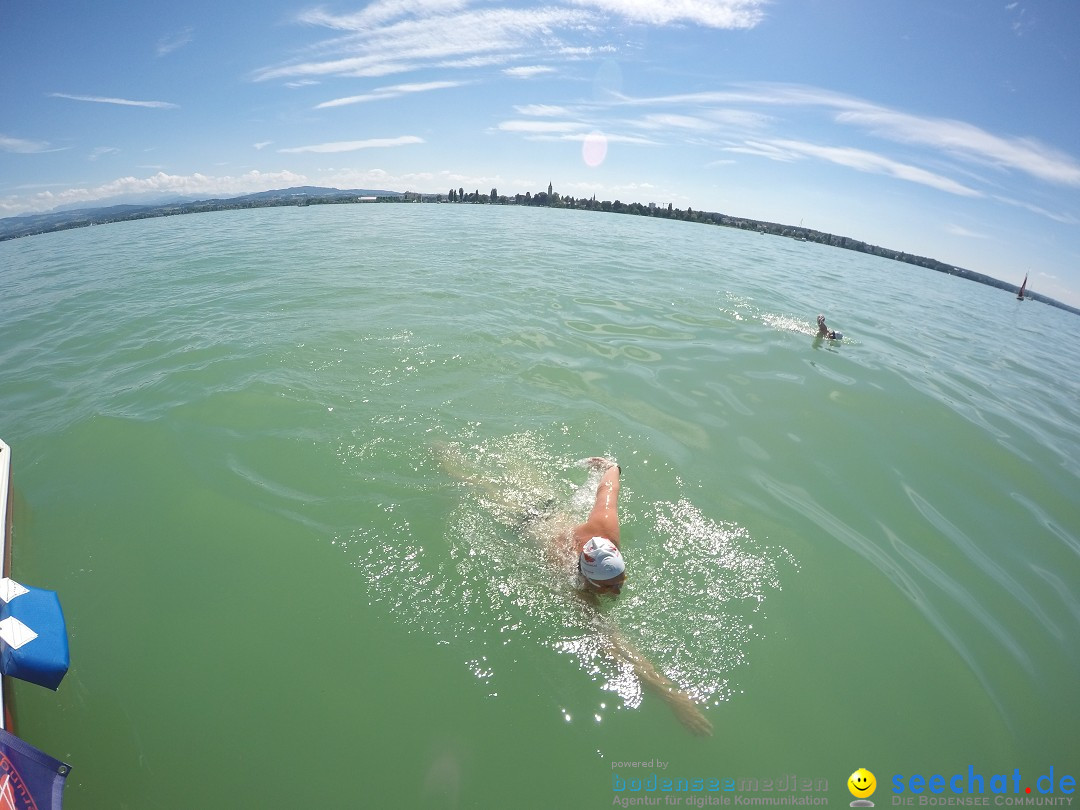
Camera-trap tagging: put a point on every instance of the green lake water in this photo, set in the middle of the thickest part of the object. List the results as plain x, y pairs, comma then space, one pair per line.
230, 439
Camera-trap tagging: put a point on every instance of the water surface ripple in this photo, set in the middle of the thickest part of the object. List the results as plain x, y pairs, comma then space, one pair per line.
286, 454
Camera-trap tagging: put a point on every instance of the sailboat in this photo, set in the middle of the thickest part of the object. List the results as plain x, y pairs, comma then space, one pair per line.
1020, 295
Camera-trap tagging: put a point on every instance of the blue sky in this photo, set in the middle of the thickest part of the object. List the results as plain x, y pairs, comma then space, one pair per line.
946, 128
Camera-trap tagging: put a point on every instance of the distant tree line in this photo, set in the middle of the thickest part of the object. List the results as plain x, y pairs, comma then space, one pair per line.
552, 199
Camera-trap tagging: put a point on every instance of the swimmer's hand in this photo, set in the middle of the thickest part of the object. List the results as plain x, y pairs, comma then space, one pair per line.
687, 712
598, 463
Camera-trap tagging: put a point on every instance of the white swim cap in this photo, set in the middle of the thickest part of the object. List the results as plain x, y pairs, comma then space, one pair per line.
600, 559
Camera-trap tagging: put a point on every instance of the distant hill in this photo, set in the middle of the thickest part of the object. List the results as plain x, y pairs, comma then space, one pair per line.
317, 191
65, 218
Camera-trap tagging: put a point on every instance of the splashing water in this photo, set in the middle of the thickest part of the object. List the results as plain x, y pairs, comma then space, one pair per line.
696, 587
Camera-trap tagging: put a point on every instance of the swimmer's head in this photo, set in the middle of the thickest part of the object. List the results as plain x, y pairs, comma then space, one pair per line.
602, 565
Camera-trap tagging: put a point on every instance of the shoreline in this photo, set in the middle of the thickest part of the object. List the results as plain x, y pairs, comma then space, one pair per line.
36, 224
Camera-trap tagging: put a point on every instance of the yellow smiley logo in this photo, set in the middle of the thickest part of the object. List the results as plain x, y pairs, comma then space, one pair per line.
862, 784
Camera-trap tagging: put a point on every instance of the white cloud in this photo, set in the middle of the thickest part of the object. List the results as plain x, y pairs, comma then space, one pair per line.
341, 102
959, 230
546, 127
762, 149
394, 36
756, 94
172, 42
186, 185
528, 71
1063, 218
672, 121
25, 147
381, 11
872, 162
948, 142
374, 49
101, 151
262, 145
388, 92
710, 13
955, 138
352, 146
465, 62
545, 110
159, 105
969, 142
742, 119
858, 159
604, 137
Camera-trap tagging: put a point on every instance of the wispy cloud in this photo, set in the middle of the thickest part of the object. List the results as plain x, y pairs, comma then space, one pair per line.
187, 185
955, 138
763, 150
710, 13
397, 36
673, 121
353, 146
159, 105
969, 142
960, 230
382, 11
101, 151
390, 38
546, 127
172, 42
604, 137
389, 92
262, 145
1057, 216
528, 71
947, 141
1020, 23
578, 131
25, 147
547, 110
858, 159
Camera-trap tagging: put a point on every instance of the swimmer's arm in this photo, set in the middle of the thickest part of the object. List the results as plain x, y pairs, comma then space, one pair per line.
603, 520
681, 703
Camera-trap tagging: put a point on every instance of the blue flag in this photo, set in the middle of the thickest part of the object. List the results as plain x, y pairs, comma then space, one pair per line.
29, 779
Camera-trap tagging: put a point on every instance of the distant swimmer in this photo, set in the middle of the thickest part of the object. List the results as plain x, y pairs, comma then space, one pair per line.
825, 332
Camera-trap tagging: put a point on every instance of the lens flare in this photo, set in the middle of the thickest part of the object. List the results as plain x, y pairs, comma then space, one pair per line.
594, 149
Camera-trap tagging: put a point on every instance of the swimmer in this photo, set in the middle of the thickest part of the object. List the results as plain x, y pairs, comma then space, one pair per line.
591, 550
824, 332
595, 542
602, 570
